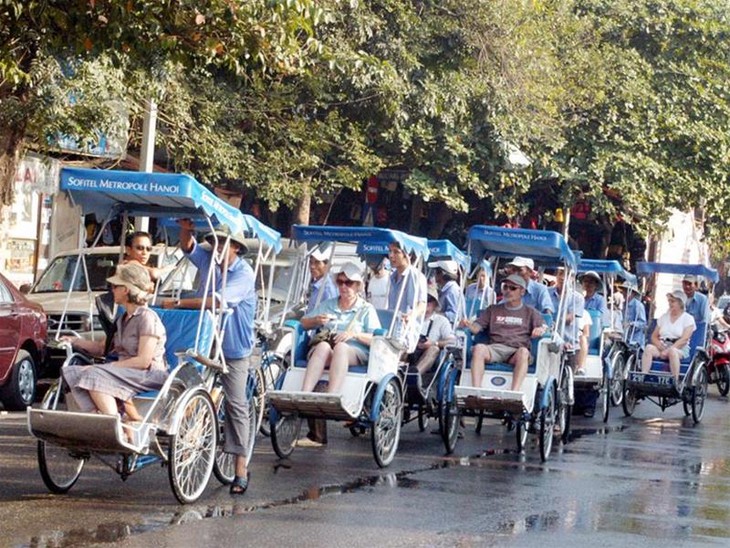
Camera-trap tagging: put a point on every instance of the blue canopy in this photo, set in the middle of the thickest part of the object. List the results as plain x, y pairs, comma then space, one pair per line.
644, 269
161, 195
539, 245
605, 266
444, 250
371, 238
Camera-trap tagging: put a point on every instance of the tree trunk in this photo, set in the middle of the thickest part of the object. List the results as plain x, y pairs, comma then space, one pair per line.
302, 209
443, 216
11, 148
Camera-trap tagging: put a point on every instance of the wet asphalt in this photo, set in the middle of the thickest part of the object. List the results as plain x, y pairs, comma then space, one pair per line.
652, 479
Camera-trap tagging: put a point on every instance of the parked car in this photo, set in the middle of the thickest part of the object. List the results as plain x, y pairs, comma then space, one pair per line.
23, 333
53, 290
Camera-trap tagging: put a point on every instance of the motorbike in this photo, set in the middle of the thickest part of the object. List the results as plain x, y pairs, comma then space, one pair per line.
718, 368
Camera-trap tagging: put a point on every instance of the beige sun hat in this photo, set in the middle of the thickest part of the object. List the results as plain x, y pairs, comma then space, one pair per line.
132, 276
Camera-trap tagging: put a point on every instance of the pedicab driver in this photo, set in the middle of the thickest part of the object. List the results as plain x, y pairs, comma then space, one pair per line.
239, 294
510, 326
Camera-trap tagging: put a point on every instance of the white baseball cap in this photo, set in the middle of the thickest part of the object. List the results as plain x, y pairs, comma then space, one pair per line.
352, 271
320, 254
522, 261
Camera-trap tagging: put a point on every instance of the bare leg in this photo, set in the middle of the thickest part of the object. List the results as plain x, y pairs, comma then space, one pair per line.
428, 359
479, 356
342, 358
241, 470
580, 361
520, 359
674, 357
105, 403
318, 360
650, 353
131, 411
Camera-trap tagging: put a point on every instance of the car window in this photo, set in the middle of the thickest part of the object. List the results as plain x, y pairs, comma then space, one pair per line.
5, 295
60, 273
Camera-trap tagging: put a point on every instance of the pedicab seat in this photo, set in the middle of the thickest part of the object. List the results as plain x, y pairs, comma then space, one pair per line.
696, 342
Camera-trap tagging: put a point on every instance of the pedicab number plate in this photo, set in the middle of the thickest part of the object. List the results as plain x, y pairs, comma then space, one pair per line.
651, 379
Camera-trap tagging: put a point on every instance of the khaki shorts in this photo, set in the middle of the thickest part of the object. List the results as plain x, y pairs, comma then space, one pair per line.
501, 353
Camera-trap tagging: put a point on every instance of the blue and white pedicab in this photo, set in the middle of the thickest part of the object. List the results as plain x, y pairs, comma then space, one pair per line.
424, 396
605, 367
372, 395
546, 393
658, 385
477, 299
180, 427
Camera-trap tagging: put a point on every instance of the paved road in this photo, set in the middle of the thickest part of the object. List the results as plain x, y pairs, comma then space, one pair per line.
652, 479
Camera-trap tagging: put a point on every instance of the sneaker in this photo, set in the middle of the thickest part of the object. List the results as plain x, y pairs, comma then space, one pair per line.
589, 412
306, 442
580, 372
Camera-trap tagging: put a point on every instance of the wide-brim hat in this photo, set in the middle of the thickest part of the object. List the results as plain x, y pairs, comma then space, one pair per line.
433, 294
629, 288
224, 232
450, 267
132, 276
591, 275
321, 254
679, 295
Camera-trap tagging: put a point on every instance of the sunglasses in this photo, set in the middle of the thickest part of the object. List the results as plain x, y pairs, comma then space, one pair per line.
509, 287
146, 248
348, 283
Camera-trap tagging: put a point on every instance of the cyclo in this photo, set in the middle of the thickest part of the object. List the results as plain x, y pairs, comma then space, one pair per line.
424, 393
658, 385
180, 426
546, 394
372, 395
605, 367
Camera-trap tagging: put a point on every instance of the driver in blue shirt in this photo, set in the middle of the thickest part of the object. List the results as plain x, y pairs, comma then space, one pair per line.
537, 295
697, 305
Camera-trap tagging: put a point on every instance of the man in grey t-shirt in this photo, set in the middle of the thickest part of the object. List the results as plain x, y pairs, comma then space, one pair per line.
510, 325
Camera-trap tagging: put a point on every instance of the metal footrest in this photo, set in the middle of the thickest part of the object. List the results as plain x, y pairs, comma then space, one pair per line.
80, 431
480, 399
312, 404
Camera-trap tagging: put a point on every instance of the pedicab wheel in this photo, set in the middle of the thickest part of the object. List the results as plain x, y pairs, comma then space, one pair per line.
479, 422
617, 382
59, 468
629, 400
547, 425
284, 432
521, 431
387, 418
449, 415
192, 447
723, 379
565, 410
423, 418
699, 395
605, 394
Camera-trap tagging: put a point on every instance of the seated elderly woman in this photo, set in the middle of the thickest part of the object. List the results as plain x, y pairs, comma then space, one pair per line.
670, 338
139, 345
351, 321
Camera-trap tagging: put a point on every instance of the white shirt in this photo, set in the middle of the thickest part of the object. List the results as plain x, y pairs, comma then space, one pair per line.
674, 330
378, 292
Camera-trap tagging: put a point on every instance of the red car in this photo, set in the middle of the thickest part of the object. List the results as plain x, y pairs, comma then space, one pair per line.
23, 332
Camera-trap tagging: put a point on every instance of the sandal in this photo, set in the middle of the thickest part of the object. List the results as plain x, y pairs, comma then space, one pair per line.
239, 485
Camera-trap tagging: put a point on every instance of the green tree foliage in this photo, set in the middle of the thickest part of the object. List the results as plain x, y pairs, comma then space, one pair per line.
260, 37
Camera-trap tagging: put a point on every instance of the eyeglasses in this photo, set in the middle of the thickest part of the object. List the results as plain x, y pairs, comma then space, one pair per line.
509, 287
146, 248
348, 283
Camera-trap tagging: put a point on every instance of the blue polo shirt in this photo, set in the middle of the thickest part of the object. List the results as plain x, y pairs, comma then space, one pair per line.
239, 294
598, 302
537, 296
574, 305
698, 308
450, 299
635, 322
326, 286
